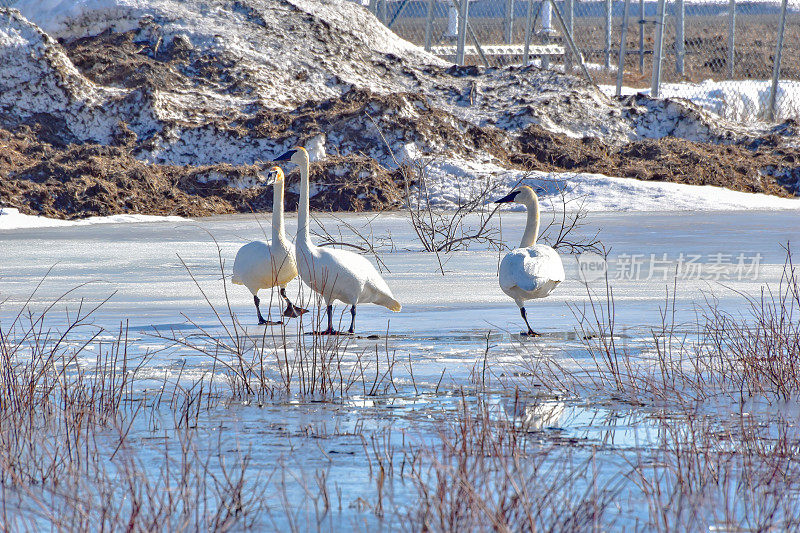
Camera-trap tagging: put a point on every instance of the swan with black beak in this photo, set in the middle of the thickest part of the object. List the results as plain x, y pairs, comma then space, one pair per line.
333, 274
263, 265
532, 270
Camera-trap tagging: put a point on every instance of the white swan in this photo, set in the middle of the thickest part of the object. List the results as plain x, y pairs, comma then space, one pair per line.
334, 274
532, 270
263, 265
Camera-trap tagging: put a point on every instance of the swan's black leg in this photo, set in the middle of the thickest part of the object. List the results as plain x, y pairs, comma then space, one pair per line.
530, 332
261, 321
330, 330
352, 319
292, 311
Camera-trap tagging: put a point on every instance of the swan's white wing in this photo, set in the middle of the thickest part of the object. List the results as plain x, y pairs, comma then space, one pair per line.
355, 279
530, 269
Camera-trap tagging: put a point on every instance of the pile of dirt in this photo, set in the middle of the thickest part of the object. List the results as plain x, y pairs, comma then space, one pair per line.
81, 180
761, 167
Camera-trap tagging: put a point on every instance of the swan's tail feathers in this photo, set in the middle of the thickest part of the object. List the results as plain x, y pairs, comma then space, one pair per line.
391, 304
237, 279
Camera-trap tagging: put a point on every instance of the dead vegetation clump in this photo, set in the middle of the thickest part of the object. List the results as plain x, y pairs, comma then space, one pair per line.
765, 168
721, 355
485, 471
81, 180
352, 183
121, 60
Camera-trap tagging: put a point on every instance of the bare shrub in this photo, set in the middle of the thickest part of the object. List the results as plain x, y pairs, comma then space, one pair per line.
68, 403
759, 354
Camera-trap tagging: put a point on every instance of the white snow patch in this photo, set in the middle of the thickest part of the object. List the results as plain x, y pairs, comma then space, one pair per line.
316, 147
11, 218
451, 181
744, 101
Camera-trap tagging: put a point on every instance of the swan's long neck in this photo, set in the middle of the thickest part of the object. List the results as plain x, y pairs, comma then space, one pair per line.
532, 226
303, 236
278, 233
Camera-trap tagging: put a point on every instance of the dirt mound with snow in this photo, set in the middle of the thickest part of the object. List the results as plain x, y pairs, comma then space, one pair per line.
187, 97
735, 166
81, 180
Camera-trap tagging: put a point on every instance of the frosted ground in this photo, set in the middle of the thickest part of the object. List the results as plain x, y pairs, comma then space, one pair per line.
455, 343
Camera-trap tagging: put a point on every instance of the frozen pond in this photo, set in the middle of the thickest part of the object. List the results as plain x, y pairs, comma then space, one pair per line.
455, 343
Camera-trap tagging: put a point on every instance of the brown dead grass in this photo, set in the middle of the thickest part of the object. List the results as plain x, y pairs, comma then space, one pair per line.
671, 159
83, 180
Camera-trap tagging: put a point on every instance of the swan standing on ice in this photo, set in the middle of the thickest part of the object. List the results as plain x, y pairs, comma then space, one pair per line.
334, 274
263, 265
532, 270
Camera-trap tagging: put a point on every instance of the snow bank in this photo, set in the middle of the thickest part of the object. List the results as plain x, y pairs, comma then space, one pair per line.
38, 78
452, 181
342, 42
744, 101
11, 218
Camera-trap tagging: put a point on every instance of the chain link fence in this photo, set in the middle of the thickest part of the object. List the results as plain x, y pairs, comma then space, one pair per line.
721, 54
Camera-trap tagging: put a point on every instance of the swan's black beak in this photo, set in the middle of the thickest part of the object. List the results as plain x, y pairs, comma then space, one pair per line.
271, 178
286, 156
508, 198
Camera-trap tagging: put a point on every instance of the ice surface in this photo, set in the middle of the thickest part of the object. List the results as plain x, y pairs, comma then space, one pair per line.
449, 323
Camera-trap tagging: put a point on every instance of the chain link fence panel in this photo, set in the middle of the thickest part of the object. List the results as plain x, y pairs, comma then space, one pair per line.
719, 54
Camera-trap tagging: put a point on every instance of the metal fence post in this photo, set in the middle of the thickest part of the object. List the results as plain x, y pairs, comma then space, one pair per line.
607, 62
731, 36
641, 36
776, 67
528, 31
508, 24
546, 16
680, 40
429, 25
571, 42
658, 49
462, 32
570, 17
622, 41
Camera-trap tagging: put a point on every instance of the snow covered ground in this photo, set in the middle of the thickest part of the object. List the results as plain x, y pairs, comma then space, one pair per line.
744, 101
12, 219
451, 182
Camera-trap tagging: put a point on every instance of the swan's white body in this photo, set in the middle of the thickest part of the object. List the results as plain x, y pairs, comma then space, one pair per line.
532, 270
264, 265
344, 276
529, 273
334, 274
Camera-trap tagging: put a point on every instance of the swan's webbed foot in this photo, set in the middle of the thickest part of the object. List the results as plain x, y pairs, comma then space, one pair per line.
263, 322
530, 333
291, 311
